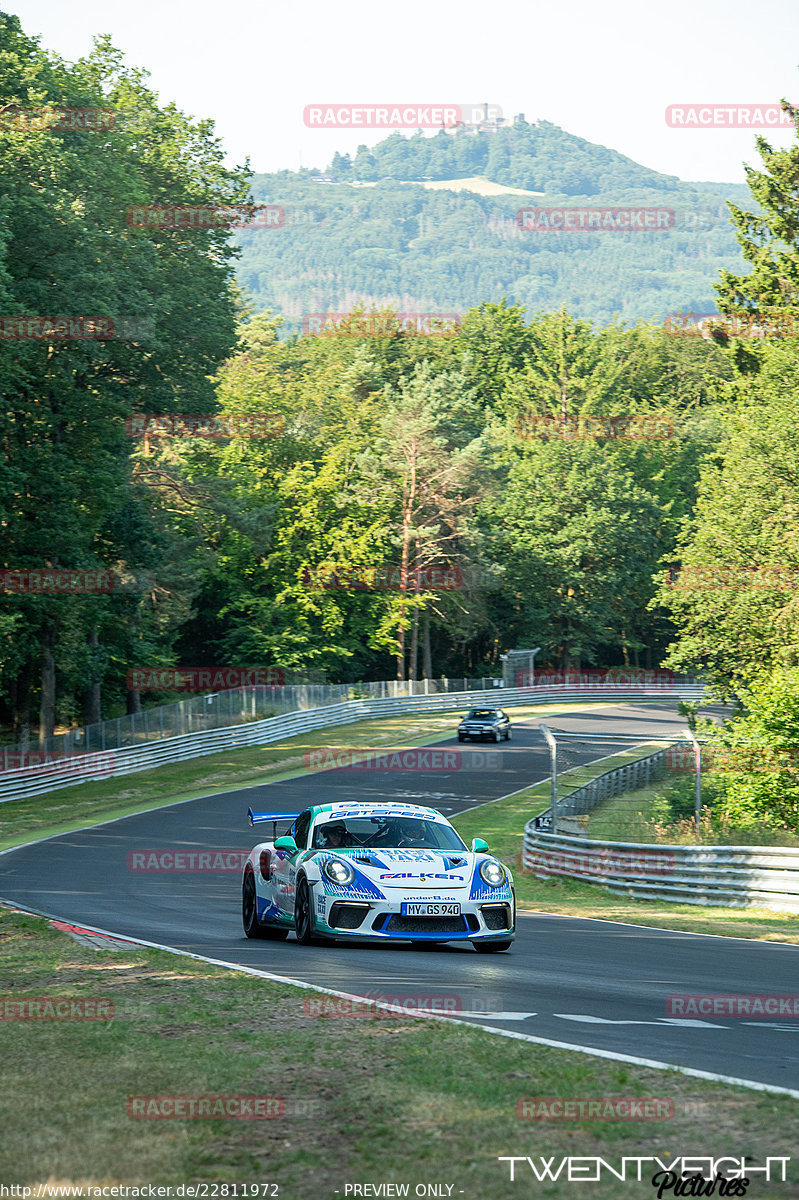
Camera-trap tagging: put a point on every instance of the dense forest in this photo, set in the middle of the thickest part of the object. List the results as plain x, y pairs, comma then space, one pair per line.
358, 506
368, 231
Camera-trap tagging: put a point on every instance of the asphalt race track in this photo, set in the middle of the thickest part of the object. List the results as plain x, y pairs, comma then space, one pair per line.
595, 984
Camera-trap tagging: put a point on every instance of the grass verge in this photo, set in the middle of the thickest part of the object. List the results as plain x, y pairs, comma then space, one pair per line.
648, 815
380, 1100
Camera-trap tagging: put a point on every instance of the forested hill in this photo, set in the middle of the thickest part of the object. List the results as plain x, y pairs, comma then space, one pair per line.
540, 157
380, 229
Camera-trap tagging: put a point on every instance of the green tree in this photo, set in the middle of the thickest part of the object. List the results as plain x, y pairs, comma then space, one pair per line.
425, 455
767, 736
769, 241
733, 597
579, 542
67, 251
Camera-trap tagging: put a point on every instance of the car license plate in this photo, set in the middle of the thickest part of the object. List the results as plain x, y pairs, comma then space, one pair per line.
430, 909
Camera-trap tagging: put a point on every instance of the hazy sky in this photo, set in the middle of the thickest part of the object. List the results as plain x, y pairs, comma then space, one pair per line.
603, 71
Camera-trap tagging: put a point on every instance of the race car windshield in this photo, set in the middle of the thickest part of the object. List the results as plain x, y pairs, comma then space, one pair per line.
386, 832
481, 714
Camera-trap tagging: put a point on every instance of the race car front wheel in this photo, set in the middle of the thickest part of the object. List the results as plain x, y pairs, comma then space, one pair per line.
303, 915
249, 914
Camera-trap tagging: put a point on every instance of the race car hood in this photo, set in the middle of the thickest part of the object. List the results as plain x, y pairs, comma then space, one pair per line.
410, 868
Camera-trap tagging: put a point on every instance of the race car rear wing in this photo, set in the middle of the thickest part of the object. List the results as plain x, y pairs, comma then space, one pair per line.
256, 819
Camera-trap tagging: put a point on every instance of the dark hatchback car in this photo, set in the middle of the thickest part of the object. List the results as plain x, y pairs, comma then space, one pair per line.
490, 723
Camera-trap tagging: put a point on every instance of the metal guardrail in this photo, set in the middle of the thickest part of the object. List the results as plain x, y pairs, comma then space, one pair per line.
46, 777
219, 710
722, 876
638, 773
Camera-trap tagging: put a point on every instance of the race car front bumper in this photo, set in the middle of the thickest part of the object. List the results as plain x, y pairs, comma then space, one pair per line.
483, 920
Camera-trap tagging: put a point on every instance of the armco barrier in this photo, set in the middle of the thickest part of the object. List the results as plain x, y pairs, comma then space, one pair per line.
726, 876
46, 777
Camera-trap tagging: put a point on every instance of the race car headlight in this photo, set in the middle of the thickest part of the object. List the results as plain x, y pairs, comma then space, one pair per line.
492, 873
338, 871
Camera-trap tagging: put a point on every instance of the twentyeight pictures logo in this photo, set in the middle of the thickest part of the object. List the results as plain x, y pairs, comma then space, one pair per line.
590, 1169
398, 116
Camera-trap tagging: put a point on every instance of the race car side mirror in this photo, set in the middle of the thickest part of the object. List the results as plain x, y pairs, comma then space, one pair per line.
286, 843
478, 845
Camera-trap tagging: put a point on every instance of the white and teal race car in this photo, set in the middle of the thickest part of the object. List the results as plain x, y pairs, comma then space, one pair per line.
380, 872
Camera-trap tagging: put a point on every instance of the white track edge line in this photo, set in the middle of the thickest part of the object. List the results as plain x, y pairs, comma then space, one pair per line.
694, 1072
